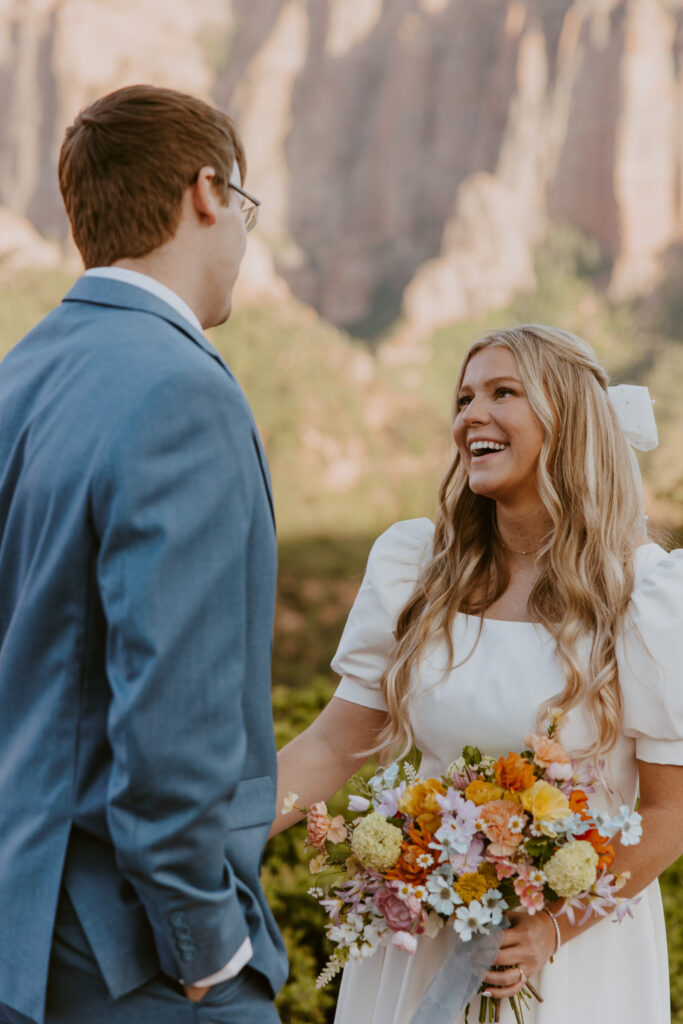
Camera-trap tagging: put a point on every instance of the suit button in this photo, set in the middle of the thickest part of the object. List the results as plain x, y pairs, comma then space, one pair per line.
178, 919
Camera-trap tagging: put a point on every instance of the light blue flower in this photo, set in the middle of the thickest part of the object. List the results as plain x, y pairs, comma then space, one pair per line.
444, 871
447, 847
572, 825
494, 903
384, 778
630, 825
627, 822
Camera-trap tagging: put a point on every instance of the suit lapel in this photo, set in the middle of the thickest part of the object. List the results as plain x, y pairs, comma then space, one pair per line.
101, 291
260, 454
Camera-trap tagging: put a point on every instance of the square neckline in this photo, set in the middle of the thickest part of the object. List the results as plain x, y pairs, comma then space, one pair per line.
530, 622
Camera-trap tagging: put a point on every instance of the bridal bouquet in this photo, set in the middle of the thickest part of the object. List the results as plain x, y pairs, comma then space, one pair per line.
416, 855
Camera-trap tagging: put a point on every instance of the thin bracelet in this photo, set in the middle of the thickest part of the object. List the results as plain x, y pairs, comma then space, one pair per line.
557, 932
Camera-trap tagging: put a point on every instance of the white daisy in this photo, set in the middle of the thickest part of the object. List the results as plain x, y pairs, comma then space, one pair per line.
470, 920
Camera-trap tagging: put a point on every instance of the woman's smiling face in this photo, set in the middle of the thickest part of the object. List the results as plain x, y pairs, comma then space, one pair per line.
498, 434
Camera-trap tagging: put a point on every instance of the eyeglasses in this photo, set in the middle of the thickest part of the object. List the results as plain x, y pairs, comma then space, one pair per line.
249, 208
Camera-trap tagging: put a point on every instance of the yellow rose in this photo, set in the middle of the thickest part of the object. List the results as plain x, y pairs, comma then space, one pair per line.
545, 802
513, 798
480, 792
419, 802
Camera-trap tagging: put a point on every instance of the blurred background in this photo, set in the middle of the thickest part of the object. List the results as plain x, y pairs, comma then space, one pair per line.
428, 169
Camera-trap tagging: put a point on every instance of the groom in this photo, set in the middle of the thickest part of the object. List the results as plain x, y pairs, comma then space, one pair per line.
137, 578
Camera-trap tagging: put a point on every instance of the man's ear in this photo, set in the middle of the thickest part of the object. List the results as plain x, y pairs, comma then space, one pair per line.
205, 198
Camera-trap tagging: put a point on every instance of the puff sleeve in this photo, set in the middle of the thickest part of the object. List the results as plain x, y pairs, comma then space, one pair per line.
394, 565
650, 657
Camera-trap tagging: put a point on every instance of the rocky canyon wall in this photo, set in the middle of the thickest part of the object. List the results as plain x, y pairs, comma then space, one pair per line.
410, 153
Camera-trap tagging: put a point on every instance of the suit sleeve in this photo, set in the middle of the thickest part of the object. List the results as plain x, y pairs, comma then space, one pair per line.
172, 510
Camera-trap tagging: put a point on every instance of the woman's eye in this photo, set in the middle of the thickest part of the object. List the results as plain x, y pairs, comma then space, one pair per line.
463, 401
503, 392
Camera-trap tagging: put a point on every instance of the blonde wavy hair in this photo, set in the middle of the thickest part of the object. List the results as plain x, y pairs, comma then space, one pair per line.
587, 485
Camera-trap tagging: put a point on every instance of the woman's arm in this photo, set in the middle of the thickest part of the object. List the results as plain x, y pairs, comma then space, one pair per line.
323, 757
531, 941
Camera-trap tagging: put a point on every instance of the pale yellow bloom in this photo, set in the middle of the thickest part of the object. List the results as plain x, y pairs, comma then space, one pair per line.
376, 842
545, 802
290, 802
318, 863
572, 869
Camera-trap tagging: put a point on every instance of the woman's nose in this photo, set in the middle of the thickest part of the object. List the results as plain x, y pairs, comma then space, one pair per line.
476, 410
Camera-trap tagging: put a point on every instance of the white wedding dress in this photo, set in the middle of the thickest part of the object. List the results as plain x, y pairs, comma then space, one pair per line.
612, 972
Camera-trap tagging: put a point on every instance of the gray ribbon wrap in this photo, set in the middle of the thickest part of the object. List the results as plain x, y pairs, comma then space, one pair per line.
449, 991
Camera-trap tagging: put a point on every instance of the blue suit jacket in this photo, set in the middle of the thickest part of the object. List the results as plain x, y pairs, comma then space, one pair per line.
137, 581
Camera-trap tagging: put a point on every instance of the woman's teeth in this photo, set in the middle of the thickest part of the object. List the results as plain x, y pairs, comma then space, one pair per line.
479, 448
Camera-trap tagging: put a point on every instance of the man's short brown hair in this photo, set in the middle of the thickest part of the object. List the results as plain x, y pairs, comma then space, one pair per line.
126, 162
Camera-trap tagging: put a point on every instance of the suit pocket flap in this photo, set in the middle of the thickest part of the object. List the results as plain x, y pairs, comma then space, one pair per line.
253, 802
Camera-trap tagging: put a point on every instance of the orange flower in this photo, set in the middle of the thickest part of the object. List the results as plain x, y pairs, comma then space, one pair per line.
513, 772
419, 803
408, 868
578, 802
601, 845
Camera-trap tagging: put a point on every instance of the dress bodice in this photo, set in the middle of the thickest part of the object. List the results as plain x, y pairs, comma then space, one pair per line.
501, 676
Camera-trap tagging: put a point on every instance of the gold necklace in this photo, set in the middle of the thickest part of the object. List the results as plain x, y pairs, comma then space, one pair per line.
512, 550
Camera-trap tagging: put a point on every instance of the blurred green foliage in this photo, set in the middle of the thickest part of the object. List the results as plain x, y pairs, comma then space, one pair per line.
358, 438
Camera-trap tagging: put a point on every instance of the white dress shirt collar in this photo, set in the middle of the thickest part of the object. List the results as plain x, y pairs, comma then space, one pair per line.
148, 284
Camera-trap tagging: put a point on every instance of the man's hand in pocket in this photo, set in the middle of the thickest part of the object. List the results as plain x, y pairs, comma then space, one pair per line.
196, 992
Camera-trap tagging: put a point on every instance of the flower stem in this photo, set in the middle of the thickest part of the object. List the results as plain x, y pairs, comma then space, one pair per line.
519, 1017
534, 991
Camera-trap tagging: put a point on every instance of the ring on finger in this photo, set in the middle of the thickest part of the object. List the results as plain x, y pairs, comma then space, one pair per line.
522, 975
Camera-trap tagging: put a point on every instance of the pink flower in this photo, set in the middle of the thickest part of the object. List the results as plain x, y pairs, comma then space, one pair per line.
321, 827
461, 780
530, 896
404, 941
399, 912
504, 869
546, 751
470, 861
501, 822
336, 833
318, 821
559, 772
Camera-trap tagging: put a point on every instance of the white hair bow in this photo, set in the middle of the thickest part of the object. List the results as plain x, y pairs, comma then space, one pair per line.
633, 407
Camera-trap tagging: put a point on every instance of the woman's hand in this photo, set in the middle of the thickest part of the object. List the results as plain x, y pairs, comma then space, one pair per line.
526, 947
320, 760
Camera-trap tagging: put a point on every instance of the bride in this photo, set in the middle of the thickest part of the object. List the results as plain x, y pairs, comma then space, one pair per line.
536, 587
